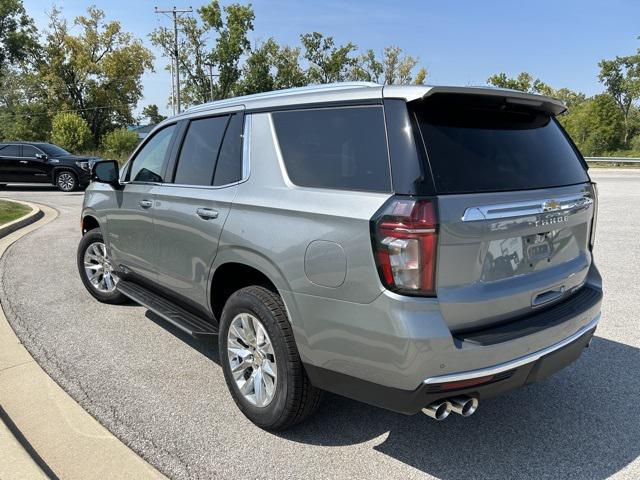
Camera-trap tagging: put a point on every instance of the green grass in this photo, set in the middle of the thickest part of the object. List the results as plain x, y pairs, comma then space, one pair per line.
9, 211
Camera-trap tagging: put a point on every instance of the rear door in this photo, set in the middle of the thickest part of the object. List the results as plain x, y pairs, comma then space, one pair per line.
11, 163
190, 210
515, 206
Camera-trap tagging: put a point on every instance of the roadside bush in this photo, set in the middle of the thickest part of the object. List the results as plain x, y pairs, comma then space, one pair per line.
635, 143
71, 132
120, 142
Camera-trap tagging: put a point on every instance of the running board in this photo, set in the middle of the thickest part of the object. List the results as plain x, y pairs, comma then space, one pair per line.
169, 311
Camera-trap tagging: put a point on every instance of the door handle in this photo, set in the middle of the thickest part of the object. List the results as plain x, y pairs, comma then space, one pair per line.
207, 213
23, 161
145, 203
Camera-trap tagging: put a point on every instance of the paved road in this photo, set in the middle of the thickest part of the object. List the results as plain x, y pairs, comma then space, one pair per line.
164, 395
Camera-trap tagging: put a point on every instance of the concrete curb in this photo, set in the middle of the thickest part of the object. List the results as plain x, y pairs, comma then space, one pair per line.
33, 216
43, 428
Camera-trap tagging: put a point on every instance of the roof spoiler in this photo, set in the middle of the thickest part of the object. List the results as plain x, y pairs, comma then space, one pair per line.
538, 102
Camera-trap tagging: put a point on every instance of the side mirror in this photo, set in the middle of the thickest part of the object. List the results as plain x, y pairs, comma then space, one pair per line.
42, 156
106, 171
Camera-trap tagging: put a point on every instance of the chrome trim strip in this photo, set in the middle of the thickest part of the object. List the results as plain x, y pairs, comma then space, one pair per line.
535, 207
518, 362
246, 147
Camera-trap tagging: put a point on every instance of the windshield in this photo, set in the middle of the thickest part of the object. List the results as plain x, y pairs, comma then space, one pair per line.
484, 145
53, 150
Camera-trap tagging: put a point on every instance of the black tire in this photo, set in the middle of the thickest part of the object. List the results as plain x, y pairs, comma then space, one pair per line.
66, 181
88, 239
295, 398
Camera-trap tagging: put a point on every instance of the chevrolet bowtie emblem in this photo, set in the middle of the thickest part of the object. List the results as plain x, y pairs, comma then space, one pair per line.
550, 205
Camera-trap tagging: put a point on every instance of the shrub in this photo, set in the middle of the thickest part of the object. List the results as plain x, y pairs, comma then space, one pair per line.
71, 132
635, 143
120, 142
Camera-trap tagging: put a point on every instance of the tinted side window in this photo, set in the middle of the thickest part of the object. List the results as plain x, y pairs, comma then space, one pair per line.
229, 166
343, 148
10, 151
148, 165
199, 151
29, 151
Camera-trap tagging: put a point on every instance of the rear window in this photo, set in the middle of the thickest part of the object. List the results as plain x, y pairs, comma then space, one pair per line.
343, 148
484, 145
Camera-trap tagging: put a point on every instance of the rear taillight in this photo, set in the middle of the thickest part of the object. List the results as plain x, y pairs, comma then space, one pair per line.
405, 237
594, 220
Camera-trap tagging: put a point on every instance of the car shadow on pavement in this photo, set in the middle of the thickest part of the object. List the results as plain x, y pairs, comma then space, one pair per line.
581, 423
206, 346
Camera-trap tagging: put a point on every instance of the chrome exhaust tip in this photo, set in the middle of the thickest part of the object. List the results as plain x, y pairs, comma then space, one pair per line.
438, 410
465, 406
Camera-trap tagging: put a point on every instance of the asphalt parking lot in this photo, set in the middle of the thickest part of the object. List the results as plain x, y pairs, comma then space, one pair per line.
164, 395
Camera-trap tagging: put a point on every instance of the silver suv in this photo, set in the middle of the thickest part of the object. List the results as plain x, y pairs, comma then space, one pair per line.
415, 248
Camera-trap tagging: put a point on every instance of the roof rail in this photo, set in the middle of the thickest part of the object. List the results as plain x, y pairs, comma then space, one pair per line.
281, 93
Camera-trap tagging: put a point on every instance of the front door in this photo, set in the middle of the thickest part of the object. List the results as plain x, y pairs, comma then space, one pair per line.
130, 223
190, 212
36, 170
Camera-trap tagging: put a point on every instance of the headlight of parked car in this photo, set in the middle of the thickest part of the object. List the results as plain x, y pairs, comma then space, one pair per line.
83, 165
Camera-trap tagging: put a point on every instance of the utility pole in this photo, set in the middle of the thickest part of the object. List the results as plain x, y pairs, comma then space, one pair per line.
211, 75
176, 12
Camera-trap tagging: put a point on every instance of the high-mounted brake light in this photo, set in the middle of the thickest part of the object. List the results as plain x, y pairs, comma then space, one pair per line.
405, 237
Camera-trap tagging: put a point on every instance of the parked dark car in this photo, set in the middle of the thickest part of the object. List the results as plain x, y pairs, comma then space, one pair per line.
36, 162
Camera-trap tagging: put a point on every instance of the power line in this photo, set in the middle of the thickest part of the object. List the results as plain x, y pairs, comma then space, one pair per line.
176, 13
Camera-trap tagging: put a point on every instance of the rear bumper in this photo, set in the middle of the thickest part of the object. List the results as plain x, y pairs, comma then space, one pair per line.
399, 342
495, 380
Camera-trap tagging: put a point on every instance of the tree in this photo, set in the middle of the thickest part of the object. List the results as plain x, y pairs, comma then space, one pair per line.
327, 63
271, 67
367, 68
395, 68
17, 34
621, 76
151, 113
97, 72
420, 76
24, 114
595, 125
120, 142
71, 132
231, 26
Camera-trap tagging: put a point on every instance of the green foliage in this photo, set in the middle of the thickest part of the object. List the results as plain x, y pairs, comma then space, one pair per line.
151, 113
96, 72
17, 34
621, 76
271, 67
595, 125
327, 63
635, 143
71, 132
120, 142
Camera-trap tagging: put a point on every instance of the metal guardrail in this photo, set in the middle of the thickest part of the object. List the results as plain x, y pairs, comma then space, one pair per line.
613, 159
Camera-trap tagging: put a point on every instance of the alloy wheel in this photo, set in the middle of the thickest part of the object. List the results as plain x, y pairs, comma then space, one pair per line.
98, 269
66, 182
252, 359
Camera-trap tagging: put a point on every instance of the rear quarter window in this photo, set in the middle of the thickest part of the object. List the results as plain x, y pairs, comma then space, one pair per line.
341, 148
484, 145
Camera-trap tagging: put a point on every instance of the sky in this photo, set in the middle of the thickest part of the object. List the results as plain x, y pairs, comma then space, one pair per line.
459, 42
